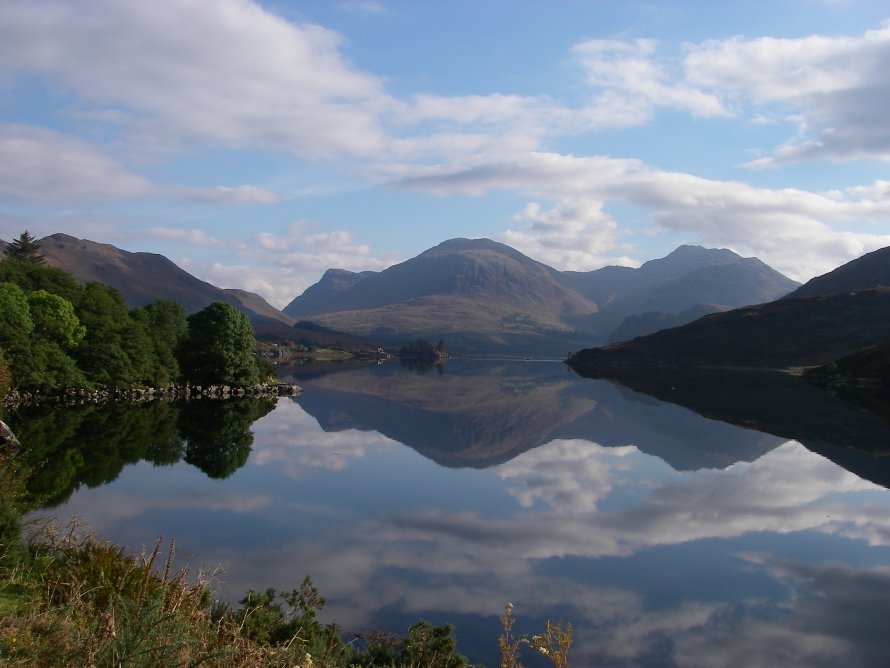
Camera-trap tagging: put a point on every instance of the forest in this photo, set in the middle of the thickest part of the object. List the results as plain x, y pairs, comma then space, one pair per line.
55, 332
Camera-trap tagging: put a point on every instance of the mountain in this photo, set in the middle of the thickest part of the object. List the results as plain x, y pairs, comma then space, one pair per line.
476, 293
484, 296
801, 331
781, 334
691, 277
868, 271
333, 284
652, 321
143, 278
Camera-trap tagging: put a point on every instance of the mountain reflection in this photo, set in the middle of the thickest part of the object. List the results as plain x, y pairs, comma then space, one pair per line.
852, 428
478, 414
665, 537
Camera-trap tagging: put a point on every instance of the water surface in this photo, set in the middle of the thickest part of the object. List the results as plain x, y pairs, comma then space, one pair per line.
664, 537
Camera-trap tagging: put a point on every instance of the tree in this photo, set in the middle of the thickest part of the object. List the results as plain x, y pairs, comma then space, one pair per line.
166, 325
15, 323
104, 355
54, 319
30, 277
218, 349
25, 249
57, 330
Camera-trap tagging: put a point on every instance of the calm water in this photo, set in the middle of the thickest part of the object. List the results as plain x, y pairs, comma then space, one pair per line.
664, 537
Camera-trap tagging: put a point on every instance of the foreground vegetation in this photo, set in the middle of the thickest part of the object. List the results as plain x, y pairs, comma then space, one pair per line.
71, 600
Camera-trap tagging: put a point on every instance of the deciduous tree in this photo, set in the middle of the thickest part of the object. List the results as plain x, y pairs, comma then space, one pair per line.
219, 347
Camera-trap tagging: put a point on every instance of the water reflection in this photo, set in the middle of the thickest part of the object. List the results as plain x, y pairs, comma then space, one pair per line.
734, 548
478, 414
70, 446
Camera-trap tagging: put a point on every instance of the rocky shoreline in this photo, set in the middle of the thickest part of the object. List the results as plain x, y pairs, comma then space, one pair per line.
68, 396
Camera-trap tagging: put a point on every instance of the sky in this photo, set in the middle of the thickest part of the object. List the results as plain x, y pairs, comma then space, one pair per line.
259, 143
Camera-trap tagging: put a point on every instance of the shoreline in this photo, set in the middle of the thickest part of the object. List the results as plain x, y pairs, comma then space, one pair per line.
69, 396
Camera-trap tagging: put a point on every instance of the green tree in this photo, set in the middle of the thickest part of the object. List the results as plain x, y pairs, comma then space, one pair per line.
54, 319
36, 332
104, 355
5, 378
218, 349
15, 325
166, 325
25, 249
30, 277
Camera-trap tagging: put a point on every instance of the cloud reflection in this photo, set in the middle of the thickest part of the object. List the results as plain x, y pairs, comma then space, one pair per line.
292, 440
566, 511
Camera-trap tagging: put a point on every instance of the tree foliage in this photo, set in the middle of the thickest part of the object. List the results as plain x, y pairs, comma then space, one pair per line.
219, 347
55, 332
25, 249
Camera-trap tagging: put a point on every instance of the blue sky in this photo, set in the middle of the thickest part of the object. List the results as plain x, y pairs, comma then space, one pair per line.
259, 143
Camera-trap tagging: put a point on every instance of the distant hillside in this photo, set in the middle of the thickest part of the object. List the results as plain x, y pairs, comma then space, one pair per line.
689, 277
867, 271
652, 321
800, 331
143, 278
317, 297
485, 296
870, 363
785, 333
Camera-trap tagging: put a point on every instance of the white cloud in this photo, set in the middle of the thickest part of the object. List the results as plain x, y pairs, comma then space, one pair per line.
789, 229
280, 266
837, 85
38, 165
574, 235
192, 237
226, 72
632, 83
246, 194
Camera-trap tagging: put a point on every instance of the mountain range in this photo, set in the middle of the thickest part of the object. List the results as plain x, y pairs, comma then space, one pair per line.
480, 295
843, 313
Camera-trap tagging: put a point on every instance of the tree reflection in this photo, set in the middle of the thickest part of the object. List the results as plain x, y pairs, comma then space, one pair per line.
217, 433
69, 446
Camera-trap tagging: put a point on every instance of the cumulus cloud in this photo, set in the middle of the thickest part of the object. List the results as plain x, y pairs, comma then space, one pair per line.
632, 83
836, 87
787, 228
574, 235
280, 266
39, 166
